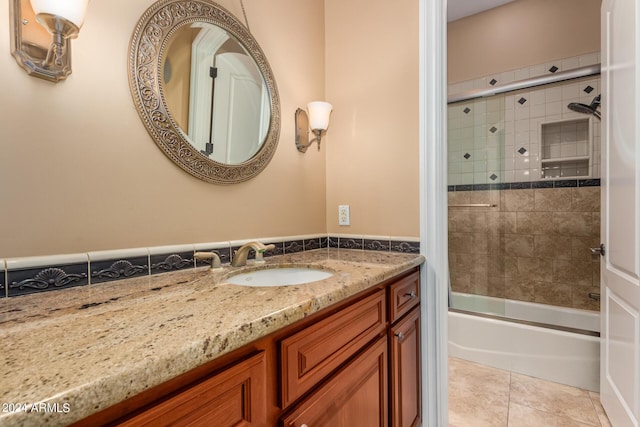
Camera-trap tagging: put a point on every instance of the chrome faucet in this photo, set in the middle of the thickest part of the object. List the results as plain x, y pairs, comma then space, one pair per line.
240, 256
215, 259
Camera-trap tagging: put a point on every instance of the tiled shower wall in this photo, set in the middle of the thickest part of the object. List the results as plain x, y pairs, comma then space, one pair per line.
532, 246
498, 139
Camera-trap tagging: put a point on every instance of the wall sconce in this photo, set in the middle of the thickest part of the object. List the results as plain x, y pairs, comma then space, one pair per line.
62, 19
318, 120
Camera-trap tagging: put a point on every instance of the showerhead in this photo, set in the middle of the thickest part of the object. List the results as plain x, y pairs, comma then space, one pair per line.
586, 109
580, 108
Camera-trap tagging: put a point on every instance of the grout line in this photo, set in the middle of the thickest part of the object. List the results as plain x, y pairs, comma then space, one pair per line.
595, 409
509, 397
593, 405
550, 413
555, 414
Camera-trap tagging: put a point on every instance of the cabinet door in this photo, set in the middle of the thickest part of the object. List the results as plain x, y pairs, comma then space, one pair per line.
313, 353
405, 371
355, 396
235, 397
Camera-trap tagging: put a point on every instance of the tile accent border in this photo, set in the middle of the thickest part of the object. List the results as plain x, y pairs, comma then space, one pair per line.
163, 259
40, 274
106, 266
3, 280
22, 276
563, 183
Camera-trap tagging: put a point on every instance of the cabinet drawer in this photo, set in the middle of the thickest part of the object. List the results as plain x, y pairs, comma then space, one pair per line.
355, 396
311, 354
235, 397
404, 295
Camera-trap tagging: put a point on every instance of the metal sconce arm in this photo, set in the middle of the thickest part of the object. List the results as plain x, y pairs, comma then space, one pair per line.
52, 62
302, 132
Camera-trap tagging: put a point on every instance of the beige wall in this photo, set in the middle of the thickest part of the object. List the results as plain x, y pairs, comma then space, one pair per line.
372, 144
79, 172
521, 34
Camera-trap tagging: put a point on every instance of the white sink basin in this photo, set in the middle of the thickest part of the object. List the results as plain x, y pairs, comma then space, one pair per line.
279, 277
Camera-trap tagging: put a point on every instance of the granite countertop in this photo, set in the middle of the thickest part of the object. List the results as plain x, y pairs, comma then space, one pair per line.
84, 349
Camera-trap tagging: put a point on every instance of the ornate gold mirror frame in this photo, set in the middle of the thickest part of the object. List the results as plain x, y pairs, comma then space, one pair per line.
146, 53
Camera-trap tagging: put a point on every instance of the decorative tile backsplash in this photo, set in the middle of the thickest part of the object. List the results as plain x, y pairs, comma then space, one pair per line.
163, 259
38, 274
121, 269
498, 139
3, 288
222, 249
350, 242
21, 276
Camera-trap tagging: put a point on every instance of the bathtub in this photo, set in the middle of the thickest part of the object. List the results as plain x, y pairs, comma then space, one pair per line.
571, 358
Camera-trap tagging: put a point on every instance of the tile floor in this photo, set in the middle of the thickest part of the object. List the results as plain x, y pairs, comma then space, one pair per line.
482, 396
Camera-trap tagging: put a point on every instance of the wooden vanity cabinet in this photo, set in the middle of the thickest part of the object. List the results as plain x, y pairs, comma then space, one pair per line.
354, 364
404, 344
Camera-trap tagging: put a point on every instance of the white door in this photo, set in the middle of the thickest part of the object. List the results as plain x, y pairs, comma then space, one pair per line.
620, 349
239, 109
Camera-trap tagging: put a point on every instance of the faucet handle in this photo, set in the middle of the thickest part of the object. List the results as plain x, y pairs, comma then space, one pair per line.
260, 252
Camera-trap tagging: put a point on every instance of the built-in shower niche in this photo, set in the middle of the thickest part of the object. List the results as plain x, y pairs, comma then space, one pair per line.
566, 149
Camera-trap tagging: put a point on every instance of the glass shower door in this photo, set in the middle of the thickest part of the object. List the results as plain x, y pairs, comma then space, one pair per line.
476, 165
524, 201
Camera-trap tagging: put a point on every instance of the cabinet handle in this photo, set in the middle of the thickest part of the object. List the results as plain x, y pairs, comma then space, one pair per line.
400, 336
412, 295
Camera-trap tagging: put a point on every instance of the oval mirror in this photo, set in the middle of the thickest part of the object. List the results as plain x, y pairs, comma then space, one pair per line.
204, 90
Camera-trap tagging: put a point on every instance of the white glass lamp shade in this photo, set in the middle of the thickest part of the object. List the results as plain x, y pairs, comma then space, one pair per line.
71, 10
319, 113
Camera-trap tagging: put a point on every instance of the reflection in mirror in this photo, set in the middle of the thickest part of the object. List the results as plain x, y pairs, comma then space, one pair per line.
204, 90
216, 93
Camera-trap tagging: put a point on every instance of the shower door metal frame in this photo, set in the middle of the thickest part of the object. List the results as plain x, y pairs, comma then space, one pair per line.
576, 73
